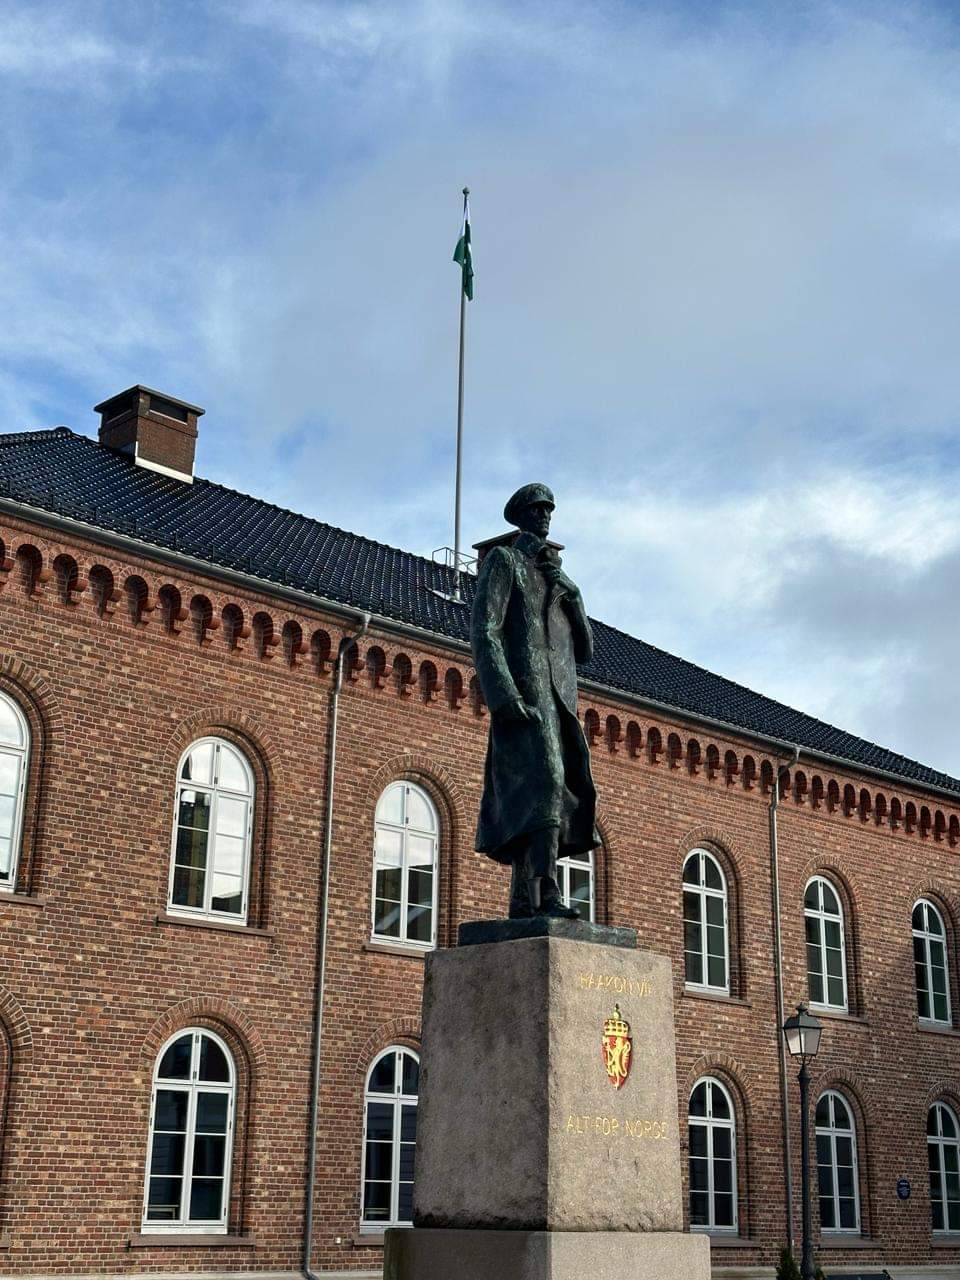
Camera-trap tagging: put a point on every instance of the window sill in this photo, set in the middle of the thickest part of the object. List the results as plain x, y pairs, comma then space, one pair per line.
693, 993
848, 1242
186, 1240
838, 1015
223, 926
397, 948
21, 899
937, 1029
373, 1240
945, 1242
718, 1241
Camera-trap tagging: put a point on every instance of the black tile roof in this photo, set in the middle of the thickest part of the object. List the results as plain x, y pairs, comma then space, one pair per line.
63, 473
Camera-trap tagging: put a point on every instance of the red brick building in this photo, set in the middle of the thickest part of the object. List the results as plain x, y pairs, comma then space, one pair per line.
169, 729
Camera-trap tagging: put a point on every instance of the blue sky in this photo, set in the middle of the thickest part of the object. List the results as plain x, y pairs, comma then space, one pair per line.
718, 264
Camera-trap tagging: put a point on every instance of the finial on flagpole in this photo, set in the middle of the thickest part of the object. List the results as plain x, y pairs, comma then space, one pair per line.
466, 191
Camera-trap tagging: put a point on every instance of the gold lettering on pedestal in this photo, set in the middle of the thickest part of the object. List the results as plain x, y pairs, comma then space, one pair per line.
612, 982
612, 1127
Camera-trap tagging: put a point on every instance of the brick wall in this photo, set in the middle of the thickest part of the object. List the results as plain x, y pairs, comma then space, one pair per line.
119, 664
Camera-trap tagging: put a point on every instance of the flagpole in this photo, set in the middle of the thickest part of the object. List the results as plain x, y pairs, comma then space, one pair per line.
456, 508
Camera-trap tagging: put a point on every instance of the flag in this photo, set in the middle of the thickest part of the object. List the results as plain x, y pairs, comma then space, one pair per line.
463, 254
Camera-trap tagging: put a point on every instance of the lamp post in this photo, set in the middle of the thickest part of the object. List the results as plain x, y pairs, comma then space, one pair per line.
802, 1032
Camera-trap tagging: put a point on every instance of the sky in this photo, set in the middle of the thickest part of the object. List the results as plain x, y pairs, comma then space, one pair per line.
717, 252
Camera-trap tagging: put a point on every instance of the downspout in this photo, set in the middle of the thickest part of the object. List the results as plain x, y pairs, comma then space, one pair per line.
344, 645
778, 982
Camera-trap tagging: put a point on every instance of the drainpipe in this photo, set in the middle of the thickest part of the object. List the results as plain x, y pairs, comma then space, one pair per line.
778, 982
344, 645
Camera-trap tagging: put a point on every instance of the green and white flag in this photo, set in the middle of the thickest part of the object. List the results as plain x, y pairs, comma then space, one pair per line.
463, 254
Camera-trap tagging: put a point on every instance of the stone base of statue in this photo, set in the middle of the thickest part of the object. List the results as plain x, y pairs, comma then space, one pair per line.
548, 1143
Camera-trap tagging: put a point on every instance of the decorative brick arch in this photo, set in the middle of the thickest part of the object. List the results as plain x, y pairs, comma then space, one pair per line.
402, 1031
741, 1085
249, 736
731, 859
16, 1028
835, 869
858, 1095
250, 1059
416, 766
35, 698
605, 860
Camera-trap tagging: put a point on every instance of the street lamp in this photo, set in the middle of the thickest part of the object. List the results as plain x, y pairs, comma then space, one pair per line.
802, 1033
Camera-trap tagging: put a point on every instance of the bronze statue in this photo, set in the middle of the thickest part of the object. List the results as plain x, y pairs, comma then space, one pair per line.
529, 630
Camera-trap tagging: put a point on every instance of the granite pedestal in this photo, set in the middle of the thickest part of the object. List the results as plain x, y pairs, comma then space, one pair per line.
531, 1163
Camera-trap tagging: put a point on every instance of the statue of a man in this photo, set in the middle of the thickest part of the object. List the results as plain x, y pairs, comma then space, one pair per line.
529, 630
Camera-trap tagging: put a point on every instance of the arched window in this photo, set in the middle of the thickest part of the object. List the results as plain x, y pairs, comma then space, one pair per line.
826, 958
712, 1132
705, 946
930, 963
389, 1138
405, 866
837, 1164
210, 864
191, 1135
14, 750
575, 877
943, 1150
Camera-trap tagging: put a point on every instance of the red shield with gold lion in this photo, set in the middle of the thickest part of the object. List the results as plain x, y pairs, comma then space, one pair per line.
616, 1048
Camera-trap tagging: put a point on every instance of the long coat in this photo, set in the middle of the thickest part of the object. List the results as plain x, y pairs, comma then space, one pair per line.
527, 640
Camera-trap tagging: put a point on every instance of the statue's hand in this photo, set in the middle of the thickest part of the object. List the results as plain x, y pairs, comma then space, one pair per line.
559, 583
517, 712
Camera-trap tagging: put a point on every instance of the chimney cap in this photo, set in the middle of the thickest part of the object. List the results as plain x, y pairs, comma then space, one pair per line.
150, 391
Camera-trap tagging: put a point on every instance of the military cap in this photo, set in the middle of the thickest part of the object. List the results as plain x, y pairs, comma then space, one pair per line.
526, 496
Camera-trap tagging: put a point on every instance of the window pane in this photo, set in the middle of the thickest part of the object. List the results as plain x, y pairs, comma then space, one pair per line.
848, 1214
715, 912
408, 1123
9, 774
191, 848
5, 847
227, 894
719, 1104
691, 871
163, 1201
698, 1100
917, 917
948, 1126
194, 809
167, 1153
716, 971
376, 1201
388, 847
699, 1209
411, 1075
198, 766
835, 993
831, 904
232, 817
380, 1121
823, 1115
175, 1063
811, 898
420, 850
722, 1144
419, 924
7, 812
723, 1175
228, 855
699, 1175
232, 774
579, 886
712, 876
697, 1137
208, 1154
420, 815
934, 923
171, 1110
11, 732
841, 1117
213, 1061
379, 1161
206, 1200
390, 805
420, 888
723, 1210
212, 1112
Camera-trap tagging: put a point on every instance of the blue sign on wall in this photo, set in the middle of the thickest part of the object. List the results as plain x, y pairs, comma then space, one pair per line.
903, 1188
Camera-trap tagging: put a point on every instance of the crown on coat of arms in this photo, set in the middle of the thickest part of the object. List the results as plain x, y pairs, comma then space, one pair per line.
615, 1025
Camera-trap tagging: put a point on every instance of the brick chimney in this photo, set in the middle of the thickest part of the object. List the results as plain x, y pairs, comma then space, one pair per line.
157, 431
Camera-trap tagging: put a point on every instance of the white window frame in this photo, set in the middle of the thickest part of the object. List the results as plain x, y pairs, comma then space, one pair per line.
941, 1142
214, 790
193, 1086
399, 1100
709, 1123
702, 891
927, 937
822, 916
400, 939
22, 756
832, 1132
582, 862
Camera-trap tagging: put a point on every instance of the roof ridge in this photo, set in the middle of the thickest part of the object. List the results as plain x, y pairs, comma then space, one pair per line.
41, 434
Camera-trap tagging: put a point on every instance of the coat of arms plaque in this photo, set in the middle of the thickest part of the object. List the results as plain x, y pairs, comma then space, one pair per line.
616, 1047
